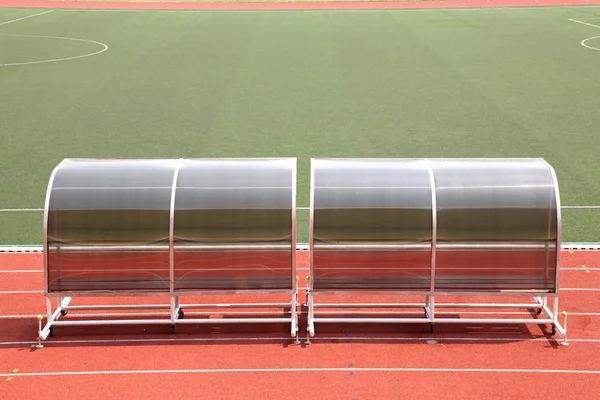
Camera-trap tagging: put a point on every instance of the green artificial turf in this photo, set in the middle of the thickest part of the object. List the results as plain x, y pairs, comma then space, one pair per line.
398, 83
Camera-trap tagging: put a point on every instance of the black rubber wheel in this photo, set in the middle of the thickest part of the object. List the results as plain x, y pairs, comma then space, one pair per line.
539, 311
173, 328
431, 328
51, 331
180, 314
64, 312
553, 330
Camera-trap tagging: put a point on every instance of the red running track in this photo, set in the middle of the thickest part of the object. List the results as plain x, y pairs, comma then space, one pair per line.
383, 362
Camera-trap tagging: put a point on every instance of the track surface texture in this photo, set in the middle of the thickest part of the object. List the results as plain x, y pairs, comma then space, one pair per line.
342, 362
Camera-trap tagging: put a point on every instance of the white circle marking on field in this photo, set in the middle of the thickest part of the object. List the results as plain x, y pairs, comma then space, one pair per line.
104, 48
583, 43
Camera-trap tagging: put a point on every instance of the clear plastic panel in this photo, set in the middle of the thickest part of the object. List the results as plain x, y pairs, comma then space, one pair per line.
108, 226
234, 226
496, 225
372, 225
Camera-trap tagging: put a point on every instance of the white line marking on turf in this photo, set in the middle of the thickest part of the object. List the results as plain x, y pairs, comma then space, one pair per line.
483, 9
21, 209
583, 43
105, 47
584, 23
22, 18
302, 370
297, 208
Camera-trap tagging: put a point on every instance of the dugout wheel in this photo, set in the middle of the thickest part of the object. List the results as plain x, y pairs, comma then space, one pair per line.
180, 314
173, 328
64, 312
51, 331
431, 328
553, 330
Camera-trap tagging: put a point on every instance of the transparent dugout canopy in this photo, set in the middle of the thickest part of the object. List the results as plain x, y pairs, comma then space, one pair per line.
170, 225
450, 225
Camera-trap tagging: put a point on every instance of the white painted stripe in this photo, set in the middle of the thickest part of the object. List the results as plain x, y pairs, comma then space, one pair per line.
297, 269
19, 271
287, 338
584, 23
297, 208
22, 18
481, 9
299, 289
20, 209
21, 291
301, 370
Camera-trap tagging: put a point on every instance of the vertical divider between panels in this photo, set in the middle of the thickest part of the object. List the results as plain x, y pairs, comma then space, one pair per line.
172, 228
311, 226
45, 227
558, 227
433, 224
294, 234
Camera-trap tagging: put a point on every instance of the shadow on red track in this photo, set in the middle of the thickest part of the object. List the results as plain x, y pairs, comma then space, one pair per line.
23, 332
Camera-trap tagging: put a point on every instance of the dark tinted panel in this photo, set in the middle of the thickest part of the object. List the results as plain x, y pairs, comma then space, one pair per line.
233, 227
497, 225
372, 225
108, 225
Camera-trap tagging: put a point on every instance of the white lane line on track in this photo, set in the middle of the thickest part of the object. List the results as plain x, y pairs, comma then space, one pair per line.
20, 291
287, 338
297, 269
302, 370
300, 289
22, 18
19, 271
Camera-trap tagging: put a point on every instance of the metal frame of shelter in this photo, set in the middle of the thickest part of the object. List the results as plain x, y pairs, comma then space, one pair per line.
545, 302
175, 307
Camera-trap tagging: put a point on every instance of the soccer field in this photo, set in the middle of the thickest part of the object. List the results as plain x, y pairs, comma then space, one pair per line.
506, 82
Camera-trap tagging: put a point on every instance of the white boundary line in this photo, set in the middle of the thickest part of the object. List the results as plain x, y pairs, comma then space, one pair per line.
584, 44
297, 208
24, 271
287, 338
582, 6
583, 23
300, 289
104, 48
301, 370
20, 271
22, 18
